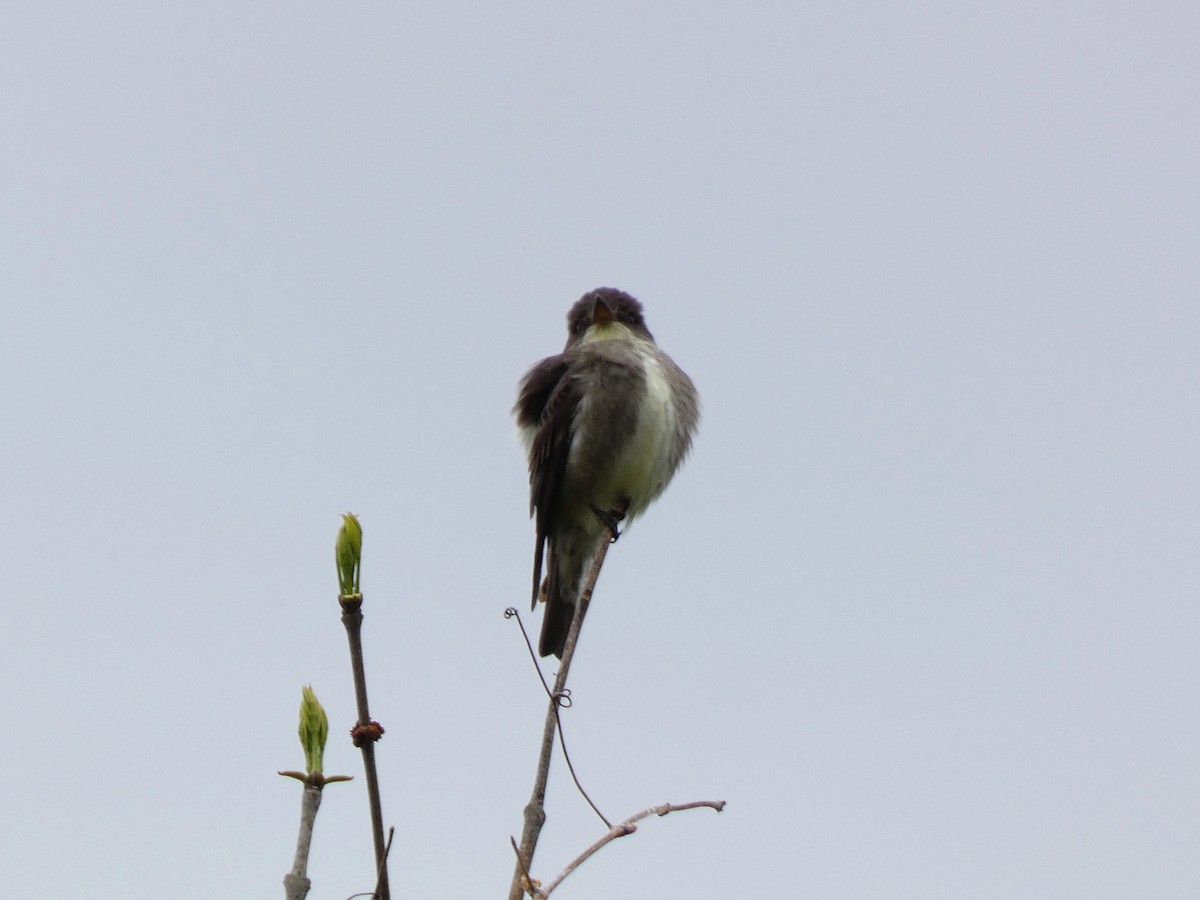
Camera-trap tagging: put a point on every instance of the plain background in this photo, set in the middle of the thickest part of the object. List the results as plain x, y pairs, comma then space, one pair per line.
921, 606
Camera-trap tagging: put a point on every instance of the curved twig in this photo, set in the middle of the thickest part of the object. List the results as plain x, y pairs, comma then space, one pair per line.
620, 830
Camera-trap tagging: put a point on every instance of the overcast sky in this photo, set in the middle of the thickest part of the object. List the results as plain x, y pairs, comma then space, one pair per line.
921, 605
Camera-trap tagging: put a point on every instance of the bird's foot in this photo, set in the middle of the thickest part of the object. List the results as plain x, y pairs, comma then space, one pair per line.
610, 519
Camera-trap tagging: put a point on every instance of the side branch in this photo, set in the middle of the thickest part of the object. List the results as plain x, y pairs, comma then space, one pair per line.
629, 826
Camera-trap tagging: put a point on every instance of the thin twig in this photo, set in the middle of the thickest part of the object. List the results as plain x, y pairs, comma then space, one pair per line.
513, 613
535, 810
629, 826
528, 879
381, 876
564, 700
366, 732
562, 742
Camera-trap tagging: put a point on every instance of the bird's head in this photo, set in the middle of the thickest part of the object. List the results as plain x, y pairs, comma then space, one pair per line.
605, 314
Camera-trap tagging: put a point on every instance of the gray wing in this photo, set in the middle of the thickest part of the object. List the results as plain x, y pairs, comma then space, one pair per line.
546, 401
687, 411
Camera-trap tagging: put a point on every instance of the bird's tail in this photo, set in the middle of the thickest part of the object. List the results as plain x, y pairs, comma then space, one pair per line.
555, 625
564, 577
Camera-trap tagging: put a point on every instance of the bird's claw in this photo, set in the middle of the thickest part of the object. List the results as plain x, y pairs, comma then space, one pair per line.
610, 519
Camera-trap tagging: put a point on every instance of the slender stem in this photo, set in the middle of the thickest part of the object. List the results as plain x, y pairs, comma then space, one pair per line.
381, 875
352, 619
296, 882
535, 810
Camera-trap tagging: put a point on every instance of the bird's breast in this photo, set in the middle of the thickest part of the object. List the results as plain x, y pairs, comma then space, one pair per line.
622, 446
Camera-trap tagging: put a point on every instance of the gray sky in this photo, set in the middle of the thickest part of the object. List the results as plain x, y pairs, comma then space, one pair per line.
921, 605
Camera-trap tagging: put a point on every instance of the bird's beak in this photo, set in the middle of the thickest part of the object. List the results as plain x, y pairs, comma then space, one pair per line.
602, 314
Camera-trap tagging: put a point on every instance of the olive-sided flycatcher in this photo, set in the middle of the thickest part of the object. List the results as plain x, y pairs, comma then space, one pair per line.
606, 423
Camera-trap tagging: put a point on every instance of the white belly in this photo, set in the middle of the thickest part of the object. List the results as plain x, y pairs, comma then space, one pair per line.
641, 469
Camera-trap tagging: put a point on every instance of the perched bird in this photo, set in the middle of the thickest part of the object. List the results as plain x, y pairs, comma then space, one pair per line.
606, 423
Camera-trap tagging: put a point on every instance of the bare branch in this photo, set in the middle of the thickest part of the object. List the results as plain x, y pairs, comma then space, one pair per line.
535, 810
629, 826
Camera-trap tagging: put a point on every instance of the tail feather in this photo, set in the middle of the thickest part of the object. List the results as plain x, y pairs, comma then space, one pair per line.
556, 622
566, 559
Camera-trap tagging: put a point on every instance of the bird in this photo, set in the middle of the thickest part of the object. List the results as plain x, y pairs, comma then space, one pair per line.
606, 424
